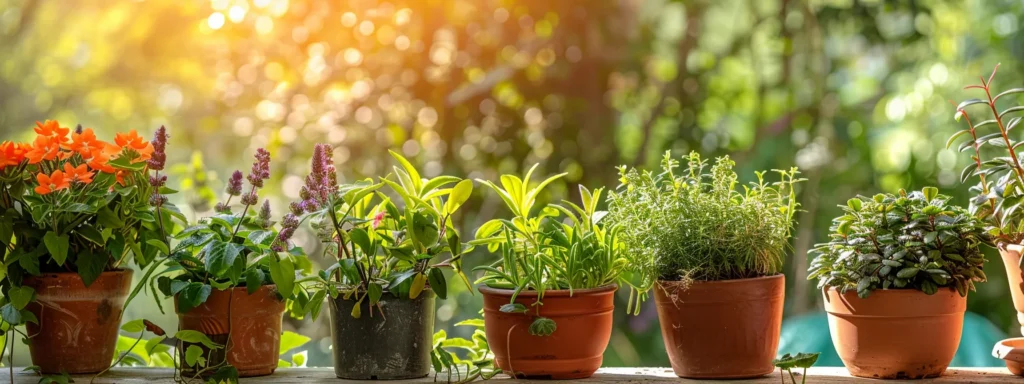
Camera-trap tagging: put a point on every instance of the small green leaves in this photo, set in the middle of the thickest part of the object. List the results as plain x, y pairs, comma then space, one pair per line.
543, 326
438, 283
513, 308
419, 280
930, 193
20, 296
854, 204
193, 356
220, 255
196, 337
460, 193
134, 326
282, 273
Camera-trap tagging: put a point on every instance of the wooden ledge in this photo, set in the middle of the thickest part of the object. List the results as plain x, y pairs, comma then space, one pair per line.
605, 375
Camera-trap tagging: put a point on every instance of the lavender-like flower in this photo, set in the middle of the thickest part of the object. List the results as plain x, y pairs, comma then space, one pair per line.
260, 168
156, 199
158, 181
296, 208
222, 208
250, 198
235, 184
159, 157
263, 218
288, 226
321, 182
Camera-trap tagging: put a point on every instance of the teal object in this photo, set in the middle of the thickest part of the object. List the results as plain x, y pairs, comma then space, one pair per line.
809, 333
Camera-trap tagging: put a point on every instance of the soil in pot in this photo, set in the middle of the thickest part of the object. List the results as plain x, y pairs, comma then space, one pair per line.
250, 327
78, 325
896, 333
576, 348
388, 342
1011, 254
725, 329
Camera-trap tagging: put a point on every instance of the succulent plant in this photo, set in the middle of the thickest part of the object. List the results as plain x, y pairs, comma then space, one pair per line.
903, 241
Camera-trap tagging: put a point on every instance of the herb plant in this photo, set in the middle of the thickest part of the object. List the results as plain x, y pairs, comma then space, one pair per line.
70, 202
542, 251
904, 241
382, 244
696, 225
999, 193
228, 249
463, 360
787, 362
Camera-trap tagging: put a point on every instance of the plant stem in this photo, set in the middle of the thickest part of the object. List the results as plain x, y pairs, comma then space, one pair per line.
143, 333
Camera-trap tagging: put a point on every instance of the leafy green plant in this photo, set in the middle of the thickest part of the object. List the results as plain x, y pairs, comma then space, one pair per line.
380, 246
477, 361
787, 362
903, 241
697, 226
999, 193
540, 252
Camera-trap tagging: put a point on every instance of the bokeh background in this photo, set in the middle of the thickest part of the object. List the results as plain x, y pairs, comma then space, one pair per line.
854, 92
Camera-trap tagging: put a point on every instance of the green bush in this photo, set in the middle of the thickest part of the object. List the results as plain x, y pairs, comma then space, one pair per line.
698, 226
906, 241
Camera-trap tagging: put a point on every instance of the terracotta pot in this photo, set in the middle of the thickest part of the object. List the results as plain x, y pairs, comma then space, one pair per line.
725, 329
896, 333
1012, 352
576, 348
1011, 259
78, 325
254, 325
391, 343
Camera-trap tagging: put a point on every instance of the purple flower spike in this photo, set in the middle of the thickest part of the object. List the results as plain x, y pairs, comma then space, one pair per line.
250, 198
260, 168
159, 157
235, 184
296, 208
288, 226
321, 182
263, 218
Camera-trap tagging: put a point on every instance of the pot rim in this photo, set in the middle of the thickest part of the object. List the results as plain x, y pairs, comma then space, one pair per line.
484, 289
51, 275
888, 291
725, 282
1003, 350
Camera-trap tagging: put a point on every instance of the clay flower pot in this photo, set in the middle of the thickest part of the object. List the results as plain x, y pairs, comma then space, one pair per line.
254, 325
1011, 259
725, 329
896, 333
576, 348
77, 330
1012, 351
387, 343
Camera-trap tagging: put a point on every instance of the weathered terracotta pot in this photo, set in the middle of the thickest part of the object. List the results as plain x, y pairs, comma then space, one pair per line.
896, 333
77, 330
392, 342
576, 348
725, 329
254, 327
1011, 259
1012, 352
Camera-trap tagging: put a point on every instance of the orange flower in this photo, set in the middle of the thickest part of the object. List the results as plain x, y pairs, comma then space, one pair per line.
53, 129
12, 153
54, 182
79, 174
98, 160
133, 141
120, 177
44, 148
84, 143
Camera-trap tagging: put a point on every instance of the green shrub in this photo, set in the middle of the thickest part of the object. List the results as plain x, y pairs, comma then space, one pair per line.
698, 226
907, 241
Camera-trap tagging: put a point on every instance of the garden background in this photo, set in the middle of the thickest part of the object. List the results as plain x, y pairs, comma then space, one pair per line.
854, 92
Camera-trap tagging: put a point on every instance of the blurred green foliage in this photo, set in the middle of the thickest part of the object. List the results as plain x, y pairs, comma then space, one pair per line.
854, 92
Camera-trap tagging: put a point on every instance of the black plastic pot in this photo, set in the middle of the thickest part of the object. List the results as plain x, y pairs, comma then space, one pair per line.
394, 343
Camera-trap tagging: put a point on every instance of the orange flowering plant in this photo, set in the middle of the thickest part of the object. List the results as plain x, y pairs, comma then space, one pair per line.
70, 202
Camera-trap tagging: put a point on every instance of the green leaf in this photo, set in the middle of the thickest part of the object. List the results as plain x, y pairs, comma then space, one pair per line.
362, 239
438, 283
220, 255
227, 374
57, 246
292, 340
92, 234
107, 218
543, 326
90, 265
159, 245
134, 326
513, 308
193, 354
930, 193
196, 337
907, 272
854, 204
253, 279
10, 314
375, 291
282, 273
459, 195
193, 295
417, 181
20, 296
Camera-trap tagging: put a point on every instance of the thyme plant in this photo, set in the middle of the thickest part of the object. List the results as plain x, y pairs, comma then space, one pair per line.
696, 225
904, 241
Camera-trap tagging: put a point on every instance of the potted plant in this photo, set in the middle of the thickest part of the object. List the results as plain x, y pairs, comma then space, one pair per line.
75, 211
230, 275
895, 278
549, 300
717, 253
999, 191
389, 252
